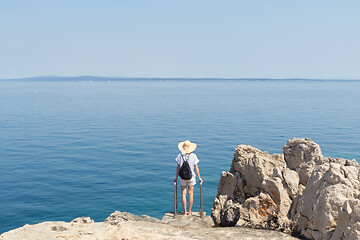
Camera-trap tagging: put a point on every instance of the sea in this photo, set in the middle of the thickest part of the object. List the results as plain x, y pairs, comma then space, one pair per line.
71, 148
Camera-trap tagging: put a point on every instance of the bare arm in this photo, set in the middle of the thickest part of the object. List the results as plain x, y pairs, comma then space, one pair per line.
177, 172
198, 172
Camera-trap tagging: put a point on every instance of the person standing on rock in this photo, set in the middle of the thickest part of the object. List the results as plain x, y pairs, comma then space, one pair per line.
188, 156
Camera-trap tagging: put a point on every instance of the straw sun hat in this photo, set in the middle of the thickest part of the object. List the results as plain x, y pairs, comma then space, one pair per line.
187, 146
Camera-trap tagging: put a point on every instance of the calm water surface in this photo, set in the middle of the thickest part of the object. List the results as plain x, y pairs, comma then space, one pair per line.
71, 149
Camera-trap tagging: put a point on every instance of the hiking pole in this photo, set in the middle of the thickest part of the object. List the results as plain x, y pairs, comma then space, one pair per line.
175, 199
201, 202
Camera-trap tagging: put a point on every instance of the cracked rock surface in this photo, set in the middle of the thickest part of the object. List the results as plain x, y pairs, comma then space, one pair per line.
127, 226
299, 191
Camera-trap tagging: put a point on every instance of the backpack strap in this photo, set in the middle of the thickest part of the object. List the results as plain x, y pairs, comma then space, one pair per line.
184, 157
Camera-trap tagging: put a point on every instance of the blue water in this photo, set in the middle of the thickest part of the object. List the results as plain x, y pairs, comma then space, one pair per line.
70, 149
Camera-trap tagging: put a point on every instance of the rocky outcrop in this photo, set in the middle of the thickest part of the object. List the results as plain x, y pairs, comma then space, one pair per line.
127, 226
301, 155
299, 191
331, 184
348, 224
117, 217
254, 193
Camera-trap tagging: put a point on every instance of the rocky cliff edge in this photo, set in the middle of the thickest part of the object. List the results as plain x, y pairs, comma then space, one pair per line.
299, 191
127, 226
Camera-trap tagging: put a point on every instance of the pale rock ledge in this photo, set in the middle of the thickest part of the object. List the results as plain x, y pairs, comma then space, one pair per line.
127, 226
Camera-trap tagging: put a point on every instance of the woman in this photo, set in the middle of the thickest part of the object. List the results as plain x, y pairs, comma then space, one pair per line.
187, 154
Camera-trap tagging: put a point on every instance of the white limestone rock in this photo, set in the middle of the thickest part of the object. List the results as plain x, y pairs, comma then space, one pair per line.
258, 212
348, 224
307, 193
82, 220
292, 182
317, 210
117, 217
254, 181
180, 228
301, 155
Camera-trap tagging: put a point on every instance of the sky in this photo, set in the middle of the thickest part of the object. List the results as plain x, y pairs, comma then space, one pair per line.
184, 38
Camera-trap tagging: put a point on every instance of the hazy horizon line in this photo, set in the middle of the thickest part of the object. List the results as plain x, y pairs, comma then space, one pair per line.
99, 78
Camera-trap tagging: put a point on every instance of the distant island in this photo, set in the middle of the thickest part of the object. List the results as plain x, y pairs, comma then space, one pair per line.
106, 79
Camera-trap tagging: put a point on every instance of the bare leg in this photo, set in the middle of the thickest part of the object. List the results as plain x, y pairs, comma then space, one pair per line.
183, 198
191, 197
